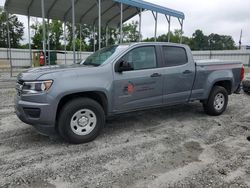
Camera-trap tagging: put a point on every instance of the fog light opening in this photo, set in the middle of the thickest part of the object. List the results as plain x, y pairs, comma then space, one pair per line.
248, 138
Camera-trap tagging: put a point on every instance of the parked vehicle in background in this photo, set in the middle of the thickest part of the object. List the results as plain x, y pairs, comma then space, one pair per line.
76, 100
246, 84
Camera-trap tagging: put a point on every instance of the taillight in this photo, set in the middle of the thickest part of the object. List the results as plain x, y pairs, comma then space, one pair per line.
242, 75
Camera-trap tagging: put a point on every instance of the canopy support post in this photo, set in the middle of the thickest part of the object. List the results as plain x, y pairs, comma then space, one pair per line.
107, 37
64, 40
181, 23
48, 41
9, 43
94, 37
73, 30
44, 32
156, 21
169, 22
140, 34
80, 41
30, 51
99, 23
121, 24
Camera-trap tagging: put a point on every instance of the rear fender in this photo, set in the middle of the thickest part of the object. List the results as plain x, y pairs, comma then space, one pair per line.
215, 77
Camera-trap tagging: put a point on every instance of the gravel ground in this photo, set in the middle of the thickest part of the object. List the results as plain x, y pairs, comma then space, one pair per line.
169, 147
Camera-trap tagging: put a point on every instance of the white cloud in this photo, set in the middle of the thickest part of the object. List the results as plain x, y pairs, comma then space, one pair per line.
212, 16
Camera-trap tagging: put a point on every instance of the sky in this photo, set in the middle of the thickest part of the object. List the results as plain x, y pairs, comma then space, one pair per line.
225, 17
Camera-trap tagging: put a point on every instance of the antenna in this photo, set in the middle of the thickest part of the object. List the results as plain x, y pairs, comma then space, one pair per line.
240, 39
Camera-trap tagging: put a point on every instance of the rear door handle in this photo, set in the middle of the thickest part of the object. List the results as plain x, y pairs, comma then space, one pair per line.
187, 72
155, 75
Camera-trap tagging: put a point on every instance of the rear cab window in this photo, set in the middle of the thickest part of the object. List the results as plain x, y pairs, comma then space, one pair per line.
174, 56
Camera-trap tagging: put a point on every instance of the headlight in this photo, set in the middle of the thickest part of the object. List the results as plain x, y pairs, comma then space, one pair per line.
36, 87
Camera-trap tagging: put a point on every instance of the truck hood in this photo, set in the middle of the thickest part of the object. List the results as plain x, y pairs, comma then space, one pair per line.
35, 73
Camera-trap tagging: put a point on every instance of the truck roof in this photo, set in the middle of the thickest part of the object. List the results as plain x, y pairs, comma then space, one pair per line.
154, 43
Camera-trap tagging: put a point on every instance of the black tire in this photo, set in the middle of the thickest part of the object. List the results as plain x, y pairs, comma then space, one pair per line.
73, 107
209, 106
246, 91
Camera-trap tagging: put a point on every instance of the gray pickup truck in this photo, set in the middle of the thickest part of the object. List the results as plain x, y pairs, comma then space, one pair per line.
75, 100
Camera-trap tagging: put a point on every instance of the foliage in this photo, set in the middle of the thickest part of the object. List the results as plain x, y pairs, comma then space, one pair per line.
85, 36
199, 41
16, 30
55, 35
130, 32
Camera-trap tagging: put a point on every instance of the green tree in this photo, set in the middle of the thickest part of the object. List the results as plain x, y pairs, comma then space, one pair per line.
55, 35
199, 41
38, 36
16, 30
221, 42
85, 37
130, 32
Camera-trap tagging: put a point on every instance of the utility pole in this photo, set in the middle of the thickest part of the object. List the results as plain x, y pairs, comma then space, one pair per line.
240, 39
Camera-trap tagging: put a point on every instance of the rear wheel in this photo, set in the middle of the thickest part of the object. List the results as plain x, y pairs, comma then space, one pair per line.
81, 120
217, 101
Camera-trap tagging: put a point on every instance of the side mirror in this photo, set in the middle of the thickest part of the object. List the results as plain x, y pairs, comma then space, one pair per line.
122, 66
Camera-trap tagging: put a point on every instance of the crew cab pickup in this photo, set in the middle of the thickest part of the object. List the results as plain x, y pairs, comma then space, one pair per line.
75, 100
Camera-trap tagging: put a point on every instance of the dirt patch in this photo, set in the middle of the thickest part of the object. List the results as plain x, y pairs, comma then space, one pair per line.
169, 147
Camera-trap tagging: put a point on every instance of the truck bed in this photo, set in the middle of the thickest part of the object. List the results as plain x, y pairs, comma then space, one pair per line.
210, 72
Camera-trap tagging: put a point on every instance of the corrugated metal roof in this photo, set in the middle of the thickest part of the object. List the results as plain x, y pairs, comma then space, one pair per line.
153, 7
86, 11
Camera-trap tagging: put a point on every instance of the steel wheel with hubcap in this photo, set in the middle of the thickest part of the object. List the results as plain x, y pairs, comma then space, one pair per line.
81, 120
219, 101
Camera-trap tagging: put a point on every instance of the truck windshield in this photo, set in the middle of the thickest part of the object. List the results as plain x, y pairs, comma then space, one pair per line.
99, 57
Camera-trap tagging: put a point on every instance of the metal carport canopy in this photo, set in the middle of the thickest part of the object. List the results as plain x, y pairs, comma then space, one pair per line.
86, 11
92, 12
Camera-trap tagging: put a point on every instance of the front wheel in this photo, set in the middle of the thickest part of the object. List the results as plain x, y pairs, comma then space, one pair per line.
81, 120
217, 101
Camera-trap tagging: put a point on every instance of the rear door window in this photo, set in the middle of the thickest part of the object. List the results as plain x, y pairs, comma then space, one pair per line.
174, 56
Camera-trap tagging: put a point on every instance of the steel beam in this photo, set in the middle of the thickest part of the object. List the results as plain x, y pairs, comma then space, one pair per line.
117, 15
107, 37
156, 21
140, 34
30, 51
169, 22
88, 11
68, 11
73, 30
80, 41
44, 31
51, 7
94, 38
121, 23
9, 44
48, 41
64, 39
181, 23
99, 23
30, 4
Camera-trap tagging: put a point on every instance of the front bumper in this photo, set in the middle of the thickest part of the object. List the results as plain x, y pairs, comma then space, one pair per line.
42, 117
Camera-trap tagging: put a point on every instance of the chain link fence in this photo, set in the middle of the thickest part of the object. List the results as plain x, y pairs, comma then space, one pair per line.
17, 60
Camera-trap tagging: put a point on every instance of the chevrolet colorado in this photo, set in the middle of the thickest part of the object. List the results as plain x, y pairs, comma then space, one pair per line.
74, 100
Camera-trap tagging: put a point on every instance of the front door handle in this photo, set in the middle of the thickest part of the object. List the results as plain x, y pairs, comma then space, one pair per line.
187, 72
155, 75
